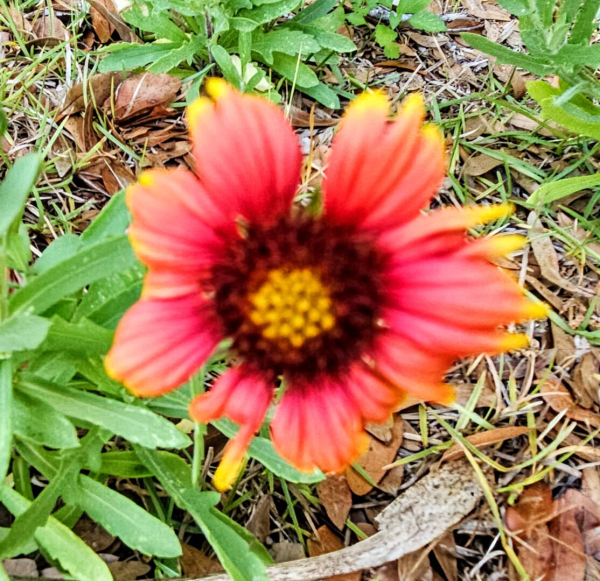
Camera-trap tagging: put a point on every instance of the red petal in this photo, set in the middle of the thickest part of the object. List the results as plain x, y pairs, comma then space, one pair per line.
381, 173
174, 230
247, 155
318, 426
160, 344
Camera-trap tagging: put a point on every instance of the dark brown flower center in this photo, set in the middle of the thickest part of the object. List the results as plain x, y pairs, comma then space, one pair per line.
299, 297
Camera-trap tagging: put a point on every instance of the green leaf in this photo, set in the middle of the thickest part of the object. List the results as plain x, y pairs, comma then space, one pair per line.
233, 550
223, 59
550, 192
21, 332
107, 300
290, 42
585, 24
154, 21
25, 549
570, 115
127, 57
92, 264
15, 189
3, 123
185, 53
81, 338
536, 65
314, 11
427, 21
384, 35
326, 39
55, 431
324, 95
412, 6
18, 252
58, 250
113, 221
123, 518
517, 7
6, 429
133, 422
269, 12
294, 70
124, 465
60, 544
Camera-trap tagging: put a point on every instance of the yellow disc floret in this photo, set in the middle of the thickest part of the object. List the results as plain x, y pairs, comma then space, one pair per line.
292, 305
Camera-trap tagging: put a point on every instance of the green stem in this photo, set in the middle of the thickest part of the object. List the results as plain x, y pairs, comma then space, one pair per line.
197, 387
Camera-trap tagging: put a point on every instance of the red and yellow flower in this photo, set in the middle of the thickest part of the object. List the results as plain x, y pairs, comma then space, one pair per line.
349, 310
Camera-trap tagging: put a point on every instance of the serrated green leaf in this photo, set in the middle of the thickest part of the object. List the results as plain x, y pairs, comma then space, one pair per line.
291, 42
69, 276
60, 544
550, 192
570, 55
384, 35
585, 23
234, 552
314, 11
128, 57
392, 50
55, 431
15, 188
536, 65
24, 550
135, 423
570, 115
21, 332
153, 21
427, 21
326, 39
185, 53
269, 12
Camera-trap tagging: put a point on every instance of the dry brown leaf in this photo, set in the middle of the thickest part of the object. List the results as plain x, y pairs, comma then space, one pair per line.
99, 88
569, 555
374, 459
49, 32
559, 399
382, 432
387, 572
585, 385
328, 542
393, 480
128, 570
112, 17
102, 27
564, 345
335, 495
116, 176
144, 91
487, 438
415, 567
260, 524
477, 165
521, 121
445, 553
195, 563
547, 257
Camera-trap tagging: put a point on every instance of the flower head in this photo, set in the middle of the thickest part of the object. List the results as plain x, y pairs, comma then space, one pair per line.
351, 310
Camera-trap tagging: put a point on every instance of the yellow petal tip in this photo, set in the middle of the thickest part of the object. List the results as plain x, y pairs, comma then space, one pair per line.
505, 245
370, 101
536, 310
514, 342
226, 473
484, 214
217, 87
146, 179
196, 109
414, 104
432, 132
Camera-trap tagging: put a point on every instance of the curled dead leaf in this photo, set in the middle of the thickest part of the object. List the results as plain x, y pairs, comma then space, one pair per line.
483, 439
334, 493
557, 396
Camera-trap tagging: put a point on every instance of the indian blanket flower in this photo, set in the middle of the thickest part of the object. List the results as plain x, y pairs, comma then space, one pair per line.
348, 311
